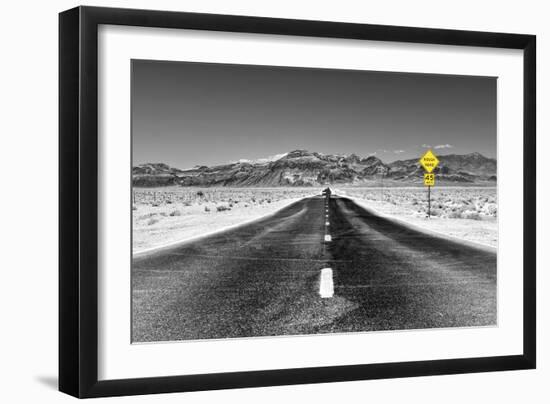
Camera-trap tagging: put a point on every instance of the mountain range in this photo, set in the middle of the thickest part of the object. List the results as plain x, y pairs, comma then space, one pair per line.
305, 168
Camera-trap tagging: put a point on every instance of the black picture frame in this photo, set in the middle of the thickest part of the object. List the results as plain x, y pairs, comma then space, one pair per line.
78, 201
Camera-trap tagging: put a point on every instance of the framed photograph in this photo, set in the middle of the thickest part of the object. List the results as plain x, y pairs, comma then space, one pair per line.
251, 201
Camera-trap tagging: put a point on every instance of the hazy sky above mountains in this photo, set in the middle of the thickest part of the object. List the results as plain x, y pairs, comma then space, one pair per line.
185, 114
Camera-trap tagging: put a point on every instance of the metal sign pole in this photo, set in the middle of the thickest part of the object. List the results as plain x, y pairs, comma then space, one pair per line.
382, 172
429, 202
381, 186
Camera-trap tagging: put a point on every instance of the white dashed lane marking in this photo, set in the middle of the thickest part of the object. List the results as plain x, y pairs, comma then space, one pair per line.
326, 285
327, 236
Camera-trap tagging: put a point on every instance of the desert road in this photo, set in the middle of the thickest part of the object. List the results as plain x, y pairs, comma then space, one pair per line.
316, 266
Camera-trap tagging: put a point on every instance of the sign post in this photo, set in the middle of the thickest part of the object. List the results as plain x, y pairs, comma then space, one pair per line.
382, 171
429, 162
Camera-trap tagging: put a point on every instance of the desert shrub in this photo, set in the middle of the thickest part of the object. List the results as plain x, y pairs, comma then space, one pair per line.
206, 209
186, 203
471, 214
222, 208
152, 221
489, 209
175, 213
454, 215
200, 194
436, 212
146, 216
134, 207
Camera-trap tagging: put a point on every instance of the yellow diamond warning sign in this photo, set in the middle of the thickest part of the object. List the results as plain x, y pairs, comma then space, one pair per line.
429, 179
429, 161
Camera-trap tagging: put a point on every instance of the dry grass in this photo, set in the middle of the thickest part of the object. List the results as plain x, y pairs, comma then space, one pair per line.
213, 197
453, 203
164, 215
465, 213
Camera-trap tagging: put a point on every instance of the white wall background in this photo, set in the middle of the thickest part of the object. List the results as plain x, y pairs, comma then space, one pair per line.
28, 199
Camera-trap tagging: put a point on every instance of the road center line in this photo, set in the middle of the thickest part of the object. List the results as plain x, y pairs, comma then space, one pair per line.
326, 285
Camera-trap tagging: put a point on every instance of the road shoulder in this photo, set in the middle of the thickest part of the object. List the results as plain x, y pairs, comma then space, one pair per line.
194, 227
455, 230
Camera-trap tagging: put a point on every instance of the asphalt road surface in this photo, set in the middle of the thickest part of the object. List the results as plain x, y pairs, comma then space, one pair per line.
316, 266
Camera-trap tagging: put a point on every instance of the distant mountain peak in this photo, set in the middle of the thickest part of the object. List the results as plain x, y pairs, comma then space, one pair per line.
476, 155
263, 160
301, 167
298, 153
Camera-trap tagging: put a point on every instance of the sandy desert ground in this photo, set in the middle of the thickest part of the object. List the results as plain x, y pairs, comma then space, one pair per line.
161, 216
466, 213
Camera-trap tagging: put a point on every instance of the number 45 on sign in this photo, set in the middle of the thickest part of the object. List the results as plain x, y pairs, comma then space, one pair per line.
429, 179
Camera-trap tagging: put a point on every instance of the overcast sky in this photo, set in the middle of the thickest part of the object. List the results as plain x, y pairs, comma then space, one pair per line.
185, 114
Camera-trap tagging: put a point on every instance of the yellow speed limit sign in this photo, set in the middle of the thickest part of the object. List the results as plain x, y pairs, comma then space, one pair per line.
429, 179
